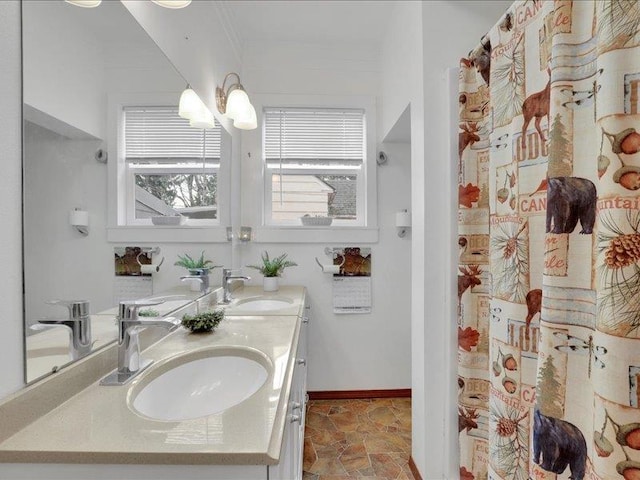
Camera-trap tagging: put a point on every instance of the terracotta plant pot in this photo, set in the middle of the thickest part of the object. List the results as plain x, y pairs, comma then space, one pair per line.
270, 284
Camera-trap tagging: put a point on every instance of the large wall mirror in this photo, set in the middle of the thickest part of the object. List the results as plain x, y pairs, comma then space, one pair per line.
75, 60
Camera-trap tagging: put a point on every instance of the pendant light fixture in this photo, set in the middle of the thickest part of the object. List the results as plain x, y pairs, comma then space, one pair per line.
233, 102
204, 119
193, 109
190, 104
84, 3
172, 3
247, 120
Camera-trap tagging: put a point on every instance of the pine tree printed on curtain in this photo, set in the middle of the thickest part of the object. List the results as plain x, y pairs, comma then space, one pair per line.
549, 244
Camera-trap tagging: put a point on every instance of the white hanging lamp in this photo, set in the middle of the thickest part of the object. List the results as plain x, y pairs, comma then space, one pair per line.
190, 104
203, 119
85, 3
172, 3
233, 103
248, 120
237, 104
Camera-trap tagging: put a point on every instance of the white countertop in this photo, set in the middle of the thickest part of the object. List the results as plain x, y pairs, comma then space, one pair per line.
97, 425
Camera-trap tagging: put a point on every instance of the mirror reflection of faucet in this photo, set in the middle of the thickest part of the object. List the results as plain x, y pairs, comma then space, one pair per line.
201, 275
79, 324
130, 363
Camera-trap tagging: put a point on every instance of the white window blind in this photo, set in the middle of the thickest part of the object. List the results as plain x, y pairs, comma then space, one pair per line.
160, 135
314, 137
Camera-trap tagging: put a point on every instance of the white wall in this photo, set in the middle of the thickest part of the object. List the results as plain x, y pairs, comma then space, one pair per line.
11, 199
69, 90
346, 352
423, 40
60, 174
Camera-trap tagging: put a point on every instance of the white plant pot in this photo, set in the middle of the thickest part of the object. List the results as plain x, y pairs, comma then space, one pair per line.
270, 284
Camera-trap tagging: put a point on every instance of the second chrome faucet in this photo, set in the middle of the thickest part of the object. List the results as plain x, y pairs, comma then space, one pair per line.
130, 363
227, 278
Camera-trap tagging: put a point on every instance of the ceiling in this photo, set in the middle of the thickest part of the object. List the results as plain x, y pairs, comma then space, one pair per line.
310, 21
331, 21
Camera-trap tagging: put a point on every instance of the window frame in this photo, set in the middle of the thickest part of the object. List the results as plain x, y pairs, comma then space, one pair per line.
365, 202
121, 182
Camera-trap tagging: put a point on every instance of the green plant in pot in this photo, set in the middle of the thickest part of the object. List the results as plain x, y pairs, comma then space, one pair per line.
203, 322
272, 268
196, 267
191, 264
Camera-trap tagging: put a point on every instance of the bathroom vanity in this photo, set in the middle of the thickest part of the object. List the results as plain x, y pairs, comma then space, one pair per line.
69, 426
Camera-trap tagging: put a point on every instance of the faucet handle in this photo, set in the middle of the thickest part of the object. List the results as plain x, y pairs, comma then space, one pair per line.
77, 308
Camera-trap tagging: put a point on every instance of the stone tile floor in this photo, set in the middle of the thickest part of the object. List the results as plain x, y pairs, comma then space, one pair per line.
365, 439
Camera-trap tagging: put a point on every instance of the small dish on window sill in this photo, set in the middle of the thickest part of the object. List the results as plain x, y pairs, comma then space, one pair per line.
168, 220
309, 221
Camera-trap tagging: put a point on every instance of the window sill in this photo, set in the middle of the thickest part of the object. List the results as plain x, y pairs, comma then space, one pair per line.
300, 234
155, 233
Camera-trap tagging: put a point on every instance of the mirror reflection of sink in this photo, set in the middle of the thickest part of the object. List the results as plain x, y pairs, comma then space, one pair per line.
199, 383
261, 304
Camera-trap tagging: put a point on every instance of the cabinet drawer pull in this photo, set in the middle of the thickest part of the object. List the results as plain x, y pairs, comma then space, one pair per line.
296, 406
301, 361
305, 320
295, 418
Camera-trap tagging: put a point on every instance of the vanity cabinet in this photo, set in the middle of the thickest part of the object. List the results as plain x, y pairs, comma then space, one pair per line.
250, 432
291, 455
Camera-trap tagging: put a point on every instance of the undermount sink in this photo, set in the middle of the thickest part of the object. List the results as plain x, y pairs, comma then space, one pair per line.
201, 383
260, 304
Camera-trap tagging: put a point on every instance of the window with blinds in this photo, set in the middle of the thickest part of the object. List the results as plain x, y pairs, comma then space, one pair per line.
314, 137
315, 158
158, 135
172, 167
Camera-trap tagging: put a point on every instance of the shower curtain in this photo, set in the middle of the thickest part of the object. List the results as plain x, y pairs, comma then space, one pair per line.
549, 244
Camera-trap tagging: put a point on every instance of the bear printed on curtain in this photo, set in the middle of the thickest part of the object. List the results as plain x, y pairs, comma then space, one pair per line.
549, 241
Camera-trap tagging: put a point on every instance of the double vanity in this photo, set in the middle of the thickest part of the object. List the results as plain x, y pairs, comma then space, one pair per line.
228, 404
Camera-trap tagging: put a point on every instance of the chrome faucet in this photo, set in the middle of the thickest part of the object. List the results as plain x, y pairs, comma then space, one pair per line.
79, 323
200, 274
130, 363
227, 278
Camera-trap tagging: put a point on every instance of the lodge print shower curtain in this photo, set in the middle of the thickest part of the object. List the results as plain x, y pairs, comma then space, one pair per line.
549, 244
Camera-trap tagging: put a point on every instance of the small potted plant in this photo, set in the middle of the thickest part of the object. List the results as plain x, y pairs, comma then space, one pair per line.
203, 322
196, 267
272, 269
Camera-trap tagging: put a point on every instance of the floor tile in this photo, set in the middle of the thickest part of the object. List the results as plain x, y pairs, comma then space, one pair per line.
363, 439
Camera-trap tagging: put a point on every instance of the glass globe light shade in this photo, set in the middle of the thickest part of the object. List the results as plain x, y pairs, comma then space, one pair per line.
190, 104
203, 119
85, 3
237, 104
172, 3
248, 120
